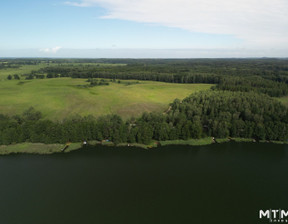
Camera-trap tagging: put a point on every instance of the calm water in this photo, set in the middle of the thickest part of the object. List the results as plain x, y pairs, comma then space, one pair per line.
221, 183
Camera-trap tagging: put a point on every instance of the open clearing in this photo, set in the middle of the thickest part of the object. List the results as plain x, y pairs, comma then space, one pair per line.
62, 97
284, 100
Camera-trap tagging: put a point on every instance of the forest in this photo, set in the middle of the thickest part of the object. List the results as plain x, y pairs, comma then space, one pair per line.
269, 76
241, 104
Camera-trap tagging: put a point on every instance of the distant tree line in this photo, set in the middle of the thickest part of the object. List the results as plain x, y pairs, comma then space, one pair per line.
27, 77
268, 76
5, 66
220, 114
253, 84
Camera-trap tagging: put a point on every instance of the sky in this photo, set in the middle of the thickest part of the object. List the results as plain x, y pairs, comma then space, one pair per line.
144, 28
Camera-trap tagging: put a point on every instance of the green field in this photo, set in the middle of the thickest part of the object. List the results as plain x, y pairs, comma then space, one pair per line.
62, 97
25, 69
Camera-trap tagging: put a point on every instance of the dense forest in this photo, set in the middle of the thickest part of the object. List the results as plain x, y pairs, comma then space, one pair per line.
240, 105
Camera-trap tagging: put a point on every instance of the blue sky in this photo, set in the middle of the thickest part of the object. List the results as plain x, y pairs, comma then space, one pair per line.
158, 28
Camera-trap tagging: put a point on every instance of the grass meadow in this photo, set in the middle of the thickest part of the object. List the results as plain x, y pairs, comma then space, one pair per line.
37, 148
25, 69
59, 98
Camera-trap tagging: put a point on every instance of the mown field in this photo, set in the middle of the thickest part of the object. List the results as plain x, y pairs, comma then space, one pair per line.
62, 97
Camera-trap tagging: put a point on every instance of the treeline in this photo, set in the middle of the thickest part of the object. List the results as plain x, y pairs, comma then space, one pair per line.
219, 114
7, 65
233, 83
268, 76
253, 84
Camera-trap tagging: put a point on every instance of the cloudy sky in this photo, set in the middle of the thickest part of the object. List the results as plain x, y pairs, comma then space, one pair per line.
144, 28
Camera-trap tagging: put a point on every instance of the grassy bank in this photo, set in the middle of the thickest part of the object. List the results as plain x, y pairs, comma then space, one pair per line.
209, 140
40, 148
37, 148
202, 141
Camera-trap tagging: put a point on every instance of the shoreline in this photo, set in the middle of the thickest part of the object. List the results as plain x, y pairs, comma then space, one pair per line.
47, 149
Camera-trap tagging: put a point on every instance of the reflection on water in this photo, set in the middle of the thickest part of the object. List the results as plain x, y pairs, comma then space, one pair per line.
220, 183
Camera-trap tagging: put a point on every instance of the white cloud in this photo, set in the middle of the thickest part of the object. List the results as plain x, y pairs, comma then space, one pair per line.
257, 22
53, 50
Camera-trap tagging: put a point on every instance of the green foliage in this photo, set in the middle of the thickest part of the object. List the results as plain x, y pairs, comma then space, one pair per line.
255, 84
31, 115
235, 114
17, 77
96, 82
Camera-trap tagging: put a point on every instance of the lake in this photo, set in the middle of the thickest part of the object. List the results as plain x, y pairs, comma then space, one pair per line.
219, 183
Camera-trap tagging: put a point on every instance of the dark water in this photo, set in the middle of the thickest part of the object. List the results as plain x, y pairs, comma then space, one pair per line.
221, 183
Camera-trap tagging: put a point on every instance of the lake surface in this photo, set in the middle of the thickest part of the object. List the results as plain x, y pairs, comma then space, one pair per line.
220, 183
